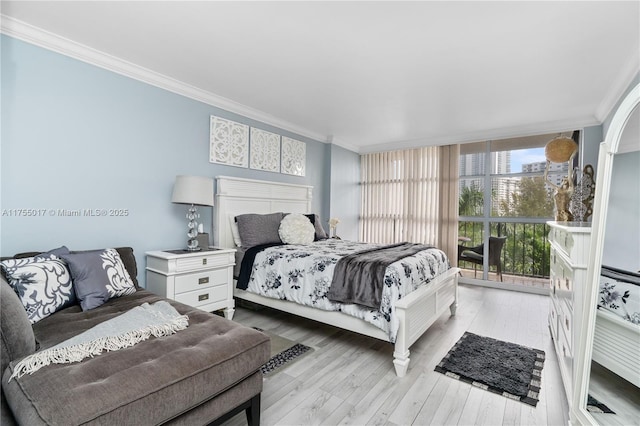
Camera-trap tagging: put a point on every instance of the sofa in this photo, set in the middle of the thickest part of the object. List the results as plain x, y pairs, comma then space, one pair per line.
200, 375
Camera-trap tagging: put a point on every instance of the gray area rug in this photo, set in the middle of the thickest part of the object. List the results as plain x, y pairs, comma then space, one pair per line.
283, 353
511, 370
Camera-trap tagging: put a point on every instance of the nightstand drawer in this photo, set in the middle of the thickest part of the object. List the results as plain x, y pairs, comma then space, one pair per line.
204, 261
198, 281
204, 296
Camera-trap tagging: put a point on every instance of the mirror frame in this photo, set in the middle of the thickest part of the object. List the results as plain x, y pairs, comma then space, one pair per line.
582, 361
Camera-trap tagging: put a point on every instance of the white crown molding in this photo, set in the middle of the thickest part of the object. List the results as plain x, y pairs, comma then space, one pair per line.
493, 134
343, 144
617, 88
50, 41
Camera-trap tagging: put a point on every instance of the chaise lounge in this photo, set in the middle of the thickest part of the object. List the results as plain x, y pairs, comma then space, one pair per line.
199, 375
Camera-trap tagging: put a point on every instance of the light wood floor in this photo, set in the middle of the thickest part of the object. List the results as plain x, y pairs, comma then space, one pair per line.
622, 397
350, 379
520, 280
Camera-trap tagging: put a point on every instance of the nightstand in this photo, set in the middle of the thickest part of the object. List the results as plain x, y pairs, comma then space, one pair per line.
202, 279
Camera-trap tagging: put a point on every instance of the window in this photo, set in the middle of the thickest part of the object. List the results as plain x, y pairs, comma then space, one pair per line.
503, 193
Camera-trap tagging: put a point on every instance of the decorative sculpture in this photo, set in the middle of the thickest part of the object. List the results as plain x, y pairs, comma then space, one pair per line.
560, 150
582, 198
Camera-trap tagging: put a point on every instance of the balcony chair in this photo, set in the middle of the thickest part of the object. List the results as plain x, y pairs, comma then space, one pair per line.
476, 254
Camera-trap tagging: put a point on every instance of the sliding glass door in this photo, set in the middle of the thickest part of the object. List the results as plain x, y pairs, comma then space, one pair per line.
503, 206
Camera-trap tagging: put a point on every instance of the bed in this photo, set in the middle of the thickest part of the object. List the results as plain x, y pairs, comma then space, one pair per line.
616, 344
414, 312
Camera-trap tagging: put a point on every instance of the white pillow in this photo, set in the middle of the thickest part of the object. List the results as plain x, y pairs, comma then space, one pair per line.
234, 231
296, 229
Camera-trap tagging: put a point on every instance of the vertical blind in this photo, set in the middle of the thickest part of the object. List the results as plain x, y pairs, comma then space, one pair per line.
407, 196
449, 164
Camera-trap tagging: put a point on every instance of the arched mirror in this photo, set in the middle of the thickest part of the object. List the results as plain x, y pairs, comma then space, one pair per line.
606, 362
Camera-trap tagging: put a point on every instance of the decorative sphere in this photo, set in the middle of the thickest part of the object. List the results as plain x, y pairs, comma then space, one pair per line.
560, 149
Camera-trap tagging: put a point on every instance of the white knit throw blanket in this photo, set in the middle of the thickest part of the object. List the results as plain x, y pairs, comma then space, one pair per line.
137, 324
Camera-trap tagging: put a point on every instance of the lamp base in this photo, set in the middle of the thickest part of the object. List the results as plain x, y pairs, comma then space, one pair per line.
192, 243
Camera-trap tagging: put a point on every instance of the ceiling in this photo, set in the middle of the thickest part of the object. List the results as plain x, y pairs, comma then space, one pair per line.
370, 76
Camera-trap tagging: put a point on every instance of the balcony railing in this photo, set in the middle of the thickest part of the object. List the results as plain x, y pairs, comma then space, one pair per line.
524, 257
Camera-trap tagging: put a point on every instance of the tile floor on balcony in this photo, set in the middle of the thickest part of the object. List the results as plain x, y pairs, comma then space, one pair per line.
509, 279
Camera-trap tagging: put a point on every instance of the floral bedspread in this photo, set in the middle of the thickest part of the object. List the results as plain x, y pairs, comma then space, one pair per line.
620, 293
303, 274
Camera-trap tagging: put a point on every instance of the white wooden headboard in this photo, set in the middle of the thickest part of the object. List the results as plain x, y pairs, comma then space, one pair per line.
235, 196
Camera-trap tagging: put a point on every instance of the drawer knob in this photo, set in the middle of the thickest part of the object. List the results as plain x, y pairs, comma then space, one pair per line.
203, 297
204, 261
204, 280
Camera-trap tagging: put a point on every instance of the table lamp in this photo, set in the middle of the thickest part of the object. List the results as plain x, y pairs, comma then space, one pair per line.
193, 190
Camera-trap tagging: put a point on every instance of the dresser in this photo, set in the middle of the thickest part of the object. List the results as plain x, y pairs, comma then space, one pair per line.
568, 276
202, 279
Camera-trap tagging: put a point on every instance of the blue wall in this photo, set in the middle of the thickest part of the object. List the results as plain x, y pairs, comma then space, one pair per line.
345, 191
592, 138
76, 136
623, 204
622, 233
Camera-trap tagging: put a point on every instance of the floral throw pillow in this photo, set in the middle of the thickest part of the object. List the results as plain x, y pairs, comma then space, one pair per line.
98, 276
43, 284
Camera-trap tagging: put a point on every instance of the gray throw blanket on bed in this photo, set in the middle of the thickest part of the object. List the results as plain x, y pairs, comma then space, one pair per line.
358, 278
135, 325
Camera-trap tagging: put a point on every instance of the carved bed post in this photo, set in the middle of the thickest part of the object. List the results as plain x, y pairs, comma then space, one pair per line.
401, 348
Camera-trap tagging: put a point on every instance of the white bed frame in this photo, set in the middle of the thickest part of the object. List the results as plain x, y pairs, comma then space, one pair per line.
417, 311
616, 344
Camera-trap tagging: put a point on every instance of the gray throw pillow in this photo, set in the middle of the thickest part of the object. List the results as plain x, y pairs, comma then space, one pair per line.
320, 233
256, 229
98, 275
54, 253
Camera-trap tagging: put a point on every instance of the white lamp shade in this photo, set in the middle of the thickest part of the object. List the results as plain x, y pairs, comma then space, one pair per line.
193, 190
